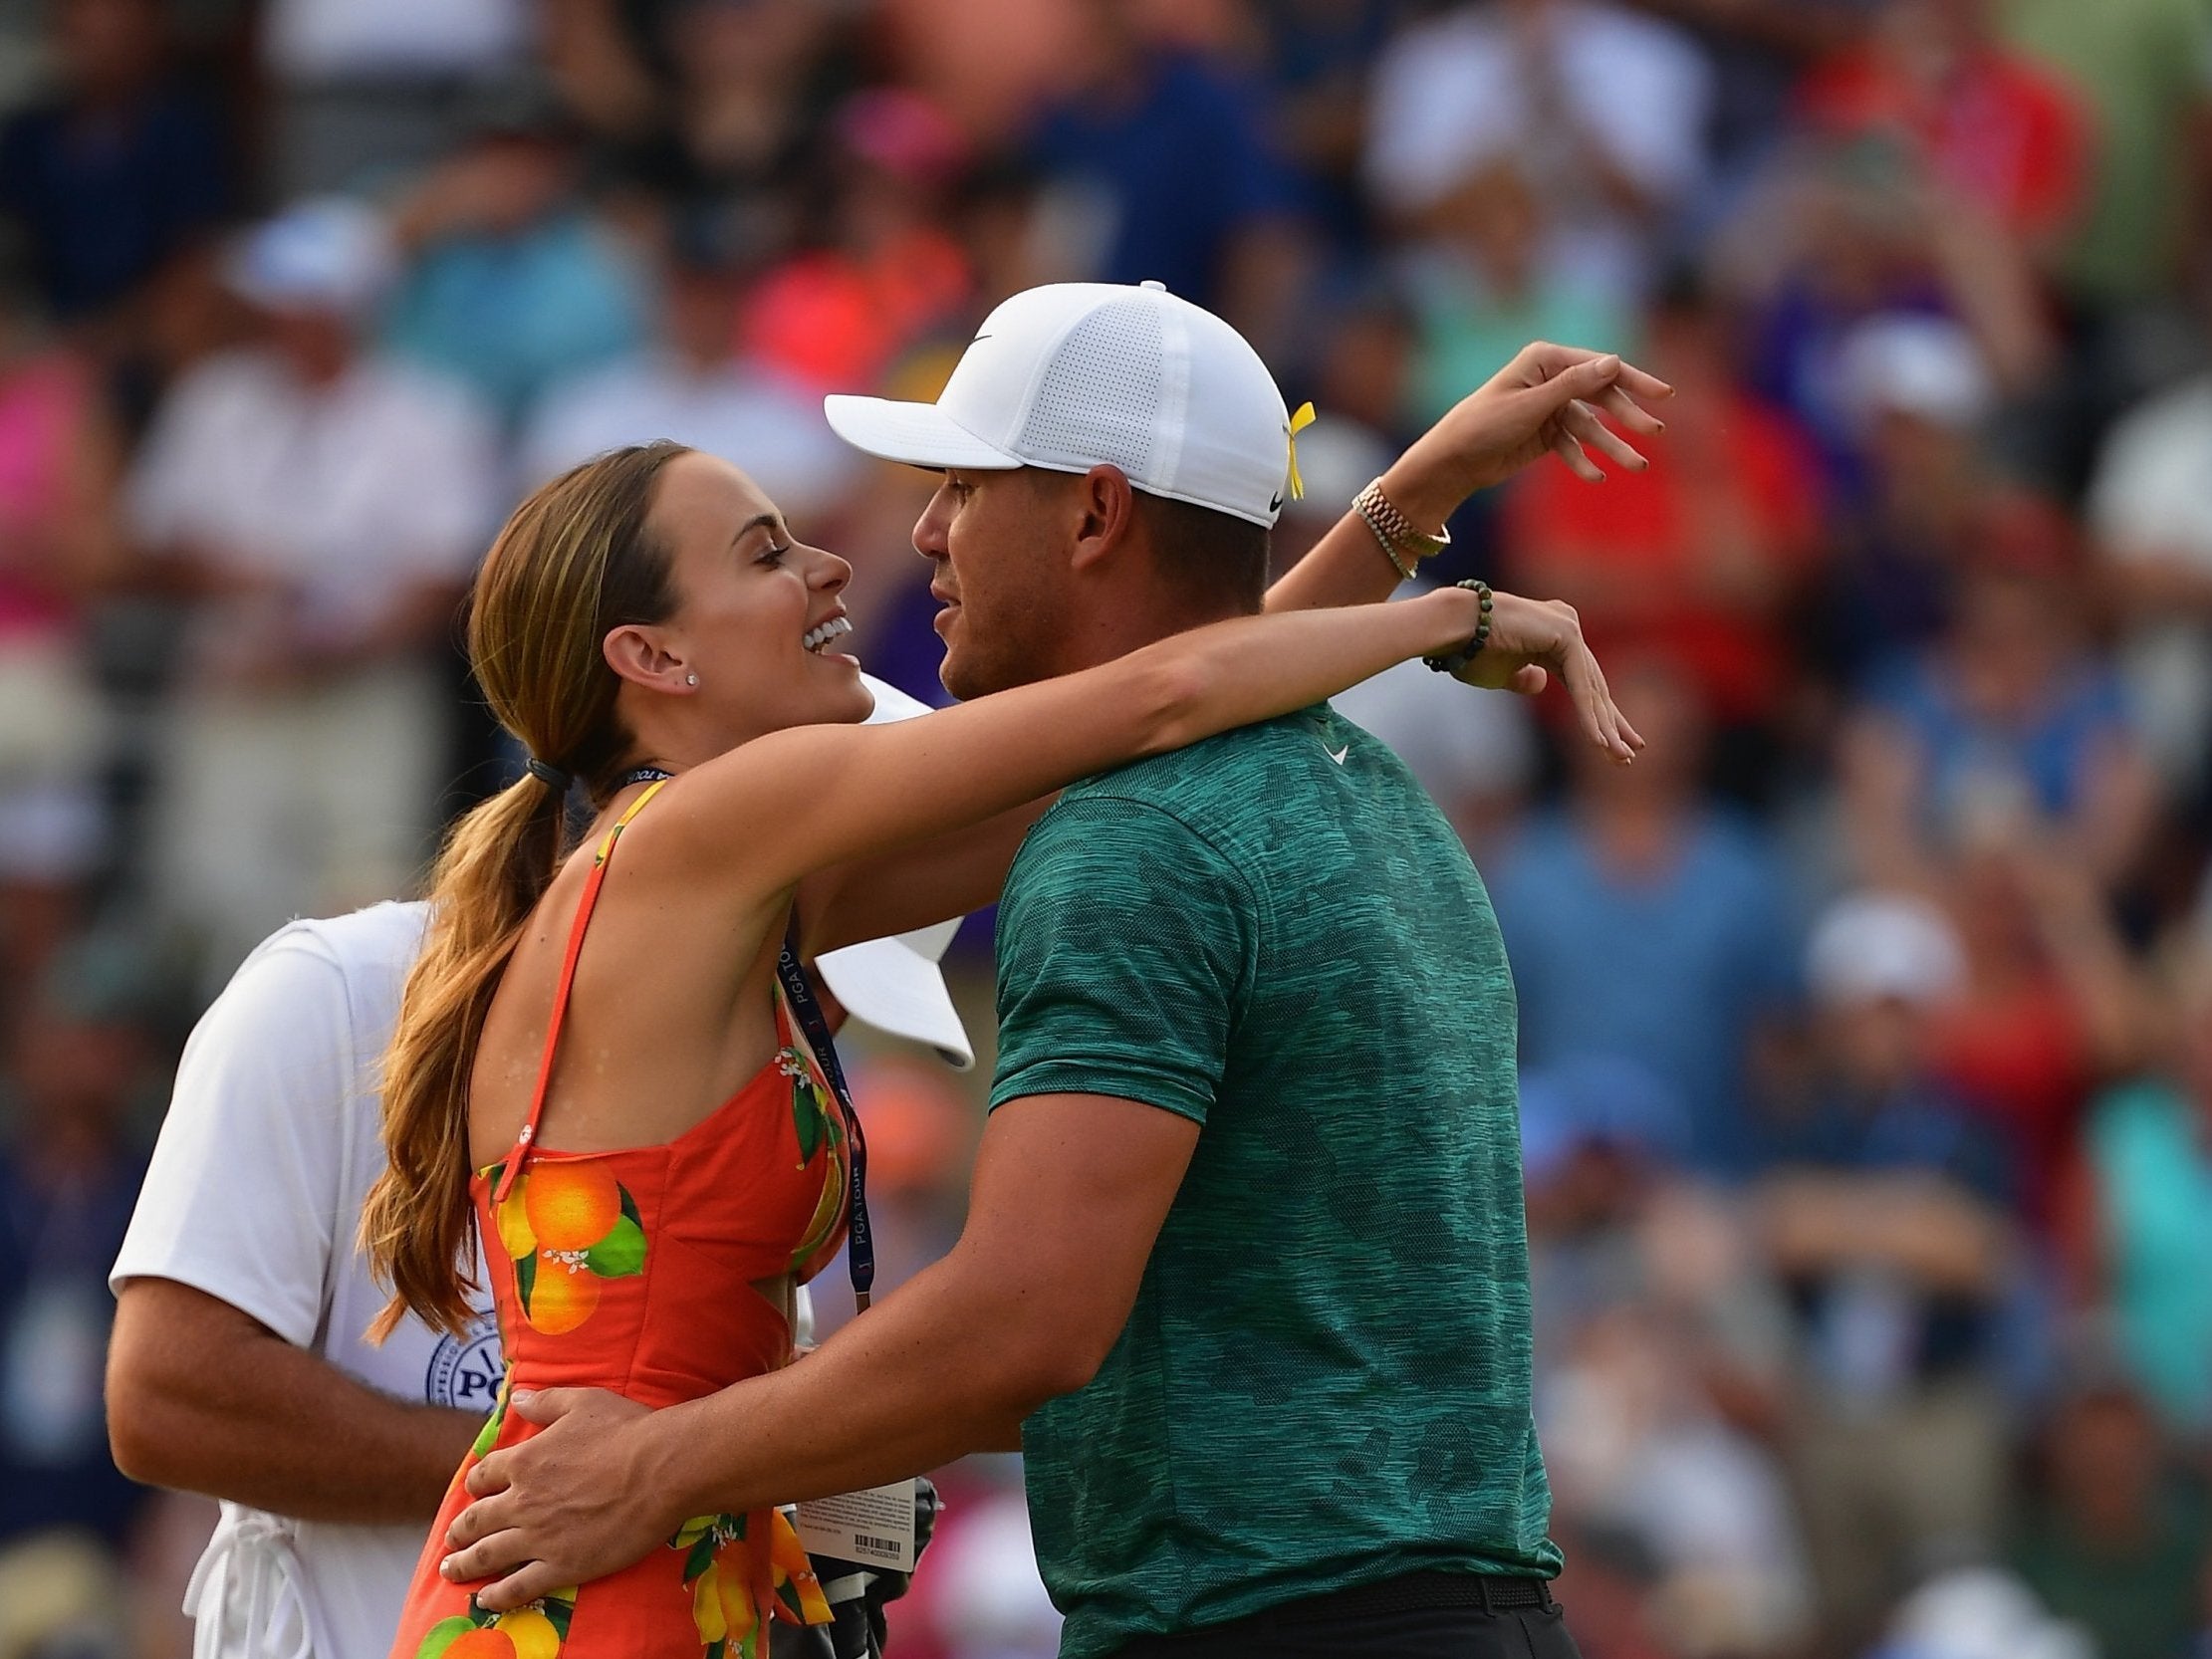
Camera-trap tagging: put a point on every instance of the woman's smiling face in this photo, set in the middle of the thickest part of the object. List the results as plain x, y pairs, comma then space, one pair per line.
758, 615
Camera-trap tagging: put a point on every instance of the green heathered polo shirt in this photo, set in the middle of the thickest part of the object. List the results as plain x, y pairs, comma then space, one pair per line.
1325, 1378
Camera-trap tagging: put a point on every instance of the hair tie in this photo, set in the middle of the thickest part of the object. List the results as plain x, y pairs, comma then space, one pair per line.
552, 777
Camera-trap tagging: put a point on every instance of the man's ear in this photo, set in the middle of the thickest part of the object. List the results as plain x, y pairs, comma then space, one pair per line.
641, 656
1109, 525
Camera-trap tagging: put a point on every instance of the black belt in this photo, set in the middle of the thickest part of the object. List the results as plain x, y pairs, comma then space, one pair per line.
1409, 1593
1413, 1592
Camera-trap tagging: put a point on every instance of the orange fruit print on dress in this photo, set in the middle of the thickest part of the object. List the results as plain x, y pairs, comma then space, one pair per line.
571, 1206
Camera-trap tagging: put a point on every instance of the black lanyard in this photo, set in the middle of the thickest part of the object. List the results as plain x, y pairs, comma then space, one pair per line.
859, 1251
860, 1254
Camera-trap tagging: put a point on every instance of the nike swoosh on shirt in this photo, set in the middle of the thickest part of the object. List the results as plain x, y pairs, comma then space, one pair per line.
1336, 755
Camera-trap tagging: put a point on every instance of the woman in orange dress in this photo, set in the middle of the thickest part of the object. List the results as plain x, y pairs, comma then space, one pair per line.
648, 625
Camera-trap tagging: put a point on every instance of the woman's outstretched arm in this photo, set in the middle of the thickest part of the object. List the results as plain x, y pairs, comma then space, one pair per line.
815, 796
1546, 401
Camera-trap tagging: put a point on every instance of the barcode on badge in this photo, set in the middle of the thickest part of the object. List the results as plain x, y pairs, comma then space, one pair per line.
875, 1528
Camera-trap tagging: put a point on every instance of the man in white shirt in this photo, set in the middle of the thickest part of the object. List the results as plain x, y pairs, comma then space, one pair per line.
2150, 511
364, 92
696, 387
323, 506
239, 1365
1603, 111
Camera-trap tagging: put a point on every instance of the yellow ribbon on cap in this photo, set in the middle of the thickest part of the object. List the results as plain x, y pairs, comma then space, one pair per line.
1299, 422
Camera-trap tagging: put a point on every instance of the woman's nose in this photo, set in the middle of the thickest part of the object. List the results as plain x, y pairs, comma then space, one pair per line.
831, 571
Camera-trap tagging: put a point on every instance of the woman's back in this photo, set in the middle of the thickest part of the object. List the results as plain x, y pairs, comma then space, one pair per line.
622, 1268
664, 1018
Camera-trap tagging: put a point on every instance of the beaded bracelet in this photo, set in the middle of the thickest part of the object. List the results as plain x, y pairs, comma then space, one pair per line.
1453, 661
1401, 544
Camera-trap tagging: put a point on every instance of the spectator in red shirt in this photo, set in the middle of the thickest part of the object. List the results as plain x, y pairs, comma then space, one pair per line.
840, 314
1990, 125
1696, 561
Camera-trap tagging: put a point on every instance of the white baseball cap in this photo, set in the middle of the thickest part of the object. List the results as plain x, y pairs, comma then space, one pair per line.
326, 254
1927, 366
1874, 947
896, 984
1078, 373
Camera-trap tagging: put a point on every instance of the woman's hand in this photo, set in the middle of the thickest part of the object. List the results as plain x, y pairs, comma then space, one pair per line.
1533, 639
1548, 398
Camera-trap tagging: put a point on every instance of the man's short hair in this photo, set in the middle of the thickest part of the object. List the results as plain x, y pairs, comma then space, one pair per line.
1215, 559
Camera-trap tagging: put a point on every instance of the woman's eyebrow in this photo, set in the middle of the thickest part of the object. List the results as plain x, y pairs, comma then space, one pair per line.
758, 521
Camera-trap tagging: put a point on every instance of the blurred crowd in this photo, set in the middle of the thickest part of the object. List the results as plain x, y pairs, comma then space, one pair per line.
1867, 1021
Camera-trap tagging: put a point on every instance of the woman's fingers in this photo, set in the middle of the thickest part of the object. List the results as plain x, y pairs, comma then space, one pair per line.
1601, 718
1626, 737
1647, 386
1628, 733
1616, 402
1580, 464
1581, 422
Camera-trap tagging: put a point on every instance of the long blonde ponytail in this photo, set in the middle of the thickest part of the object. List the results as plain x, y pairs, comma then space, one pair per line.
574, 562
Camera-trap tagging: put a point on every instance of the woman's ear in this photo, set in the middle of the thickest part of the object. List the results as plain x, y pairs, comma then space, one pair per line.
638, 655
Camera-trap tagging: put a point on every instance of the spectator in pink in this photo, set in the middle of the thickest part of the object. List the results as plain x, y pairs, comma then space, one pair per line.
59, 548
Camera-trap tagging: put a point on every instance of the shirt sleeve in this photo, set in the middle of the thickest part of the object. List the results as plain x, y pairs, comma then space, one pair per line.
454, 469
1126, 948
243, 1195
165, 498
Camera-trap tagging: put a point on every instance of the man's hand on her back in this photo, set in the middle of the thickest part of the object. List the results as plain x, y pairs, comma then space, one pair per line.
564, 1505
1547, 400
1533, 639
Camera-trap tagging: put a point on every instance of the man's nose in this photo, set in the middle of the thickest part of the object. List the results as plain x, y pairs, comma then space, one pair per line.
930, 530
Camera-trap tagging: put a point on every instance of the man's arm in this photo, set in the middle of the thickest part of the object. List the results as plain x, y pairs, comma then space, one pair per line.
205, 1398
1069, 1192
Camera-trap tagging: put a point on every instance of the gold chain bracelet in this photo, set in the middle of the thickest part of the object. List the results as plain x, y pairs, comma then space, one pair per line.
1401, 544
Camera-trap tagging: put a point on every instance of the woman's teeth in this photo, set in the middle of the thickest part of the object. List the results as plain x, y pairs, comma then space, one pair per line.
837, 627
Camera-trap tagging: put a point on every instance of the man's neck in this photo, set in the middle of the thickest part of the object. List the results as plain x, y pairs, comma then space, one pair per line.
1107, 632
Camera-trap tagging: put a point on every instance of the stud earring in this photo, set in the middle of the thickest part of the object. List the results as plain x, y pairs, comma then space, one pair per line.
690, 679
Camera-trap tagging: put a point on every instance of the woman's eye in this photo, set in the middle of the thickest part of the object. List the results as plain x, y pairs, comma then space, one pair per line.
775, 554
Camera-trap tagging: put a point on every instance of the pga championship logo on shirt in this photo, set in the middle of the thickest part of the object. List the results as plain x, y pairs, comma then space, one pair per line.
465, 1371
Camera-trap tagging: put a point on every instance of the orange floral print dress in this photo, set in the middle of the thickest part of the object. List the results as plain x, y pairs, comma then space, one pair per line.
632, 1270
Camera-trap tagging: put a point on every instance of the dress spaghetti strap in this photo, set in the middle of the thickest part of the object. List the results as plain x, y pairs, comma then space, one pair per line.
591, 884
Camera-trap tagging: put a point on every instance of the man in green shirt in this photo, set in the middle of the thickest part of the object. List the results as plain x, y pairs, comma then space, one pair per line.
1245, 1265
1275, 937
